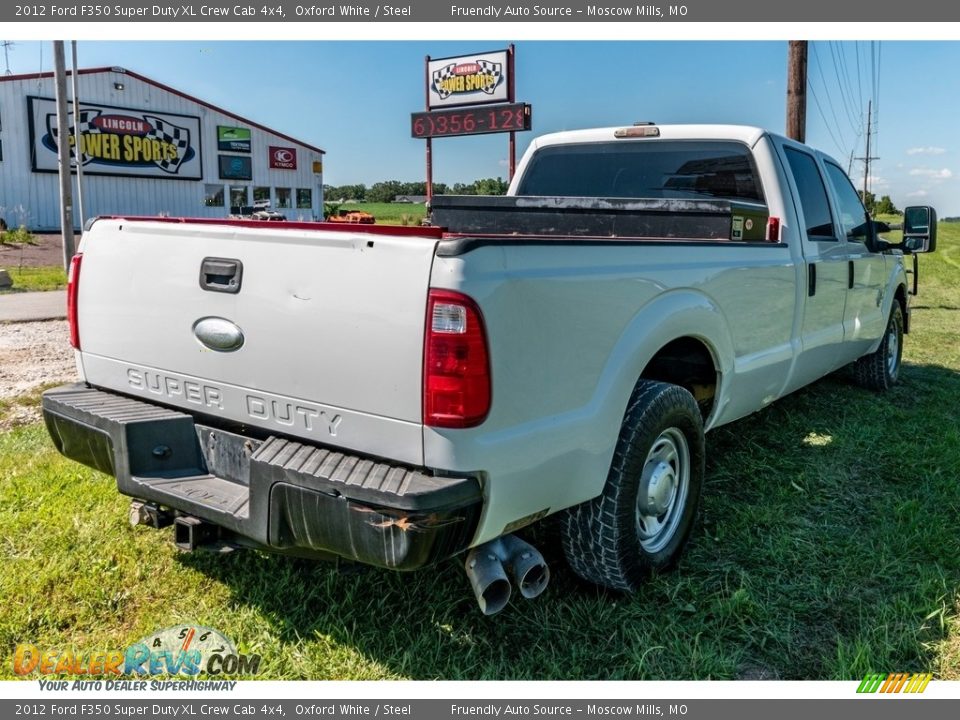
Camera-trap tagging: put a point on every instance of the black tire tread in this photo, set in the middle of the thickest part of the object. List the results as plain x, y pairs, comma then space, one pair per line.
870, 371
592, 532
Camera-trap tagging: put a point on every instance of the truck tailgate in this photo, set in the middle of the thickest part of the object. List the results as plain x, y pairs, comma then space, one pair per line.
332, 325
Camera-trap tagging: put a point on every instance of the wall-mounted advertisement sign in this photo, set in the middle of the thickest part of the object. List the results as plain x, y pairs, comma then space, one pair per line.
235, 168
283, 158
468, 79
118, 141
233, 139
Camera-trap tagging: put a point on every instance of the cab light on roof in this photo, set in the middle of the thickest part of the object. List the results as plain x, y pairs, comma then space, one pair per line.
637, 131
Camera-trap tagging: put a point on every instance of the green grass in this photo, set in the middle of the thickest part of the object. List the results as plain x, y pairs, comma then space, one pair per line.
829, 547
51, 277
390, 213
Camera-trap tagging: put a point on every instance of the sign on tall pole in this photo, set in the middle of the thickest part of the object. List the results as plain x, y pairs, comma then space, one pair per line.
470, 95
63, 152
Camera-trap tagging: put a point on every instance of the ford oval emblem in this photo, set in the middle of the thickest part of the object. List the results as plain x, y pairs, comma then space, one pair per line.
218, 334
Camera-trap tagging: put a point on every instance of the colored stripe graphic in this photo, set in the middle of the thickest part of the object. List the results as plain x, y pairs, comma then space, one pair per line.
894, 683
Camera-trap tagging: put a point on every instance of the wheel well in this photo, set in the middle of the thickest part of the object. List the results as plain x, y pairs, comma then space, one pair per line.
686, 362
901, 297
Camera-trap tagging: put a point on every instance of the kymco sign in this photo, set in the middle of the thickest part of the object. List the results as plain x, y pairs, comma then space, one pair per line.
284, 158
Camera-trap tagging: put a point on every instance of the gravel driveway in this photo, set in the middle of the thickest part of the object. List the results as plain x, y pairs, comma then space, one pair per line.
32, 354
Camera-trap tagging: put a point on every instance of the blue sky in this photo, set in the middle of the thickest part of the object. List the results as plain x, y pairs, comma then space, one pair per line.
354, 98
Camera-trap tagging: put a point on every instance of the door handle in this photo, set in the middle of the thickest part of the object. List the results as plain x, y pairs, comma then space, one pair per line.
849, 274
811, 279
221, 275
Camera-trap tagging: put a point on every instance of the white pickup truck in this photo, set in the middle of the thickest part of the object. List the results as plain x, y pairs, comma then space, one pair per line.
396, 396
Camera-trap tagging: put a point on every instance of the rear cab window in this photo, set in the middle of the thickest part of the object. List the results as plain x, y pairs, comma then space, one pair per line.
645, 169
812, 193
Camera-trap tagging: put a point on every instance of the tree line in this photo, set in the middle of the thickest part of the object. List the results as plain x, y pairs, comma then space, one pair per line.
386, 191
883, 206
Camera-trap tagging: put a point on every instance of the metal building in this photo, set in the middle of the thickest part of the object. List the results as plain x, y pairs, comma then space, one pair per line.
146, 149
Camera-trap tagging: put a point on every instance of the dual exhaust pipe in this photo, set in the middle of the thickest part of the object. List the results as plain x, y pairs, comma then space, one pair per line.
489, 565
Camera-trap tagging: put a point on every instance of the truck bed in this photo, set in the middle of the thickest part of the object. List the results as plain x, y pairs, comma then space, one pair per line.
660, 218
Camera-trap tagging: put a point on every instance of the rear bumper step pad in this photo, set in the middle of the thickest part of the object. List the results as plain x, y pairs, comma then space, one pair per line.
278, 493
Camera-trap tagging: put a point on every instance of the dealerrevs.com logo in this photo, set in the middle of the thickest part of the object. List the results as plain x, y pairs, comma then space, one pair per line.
188, 650
895, 683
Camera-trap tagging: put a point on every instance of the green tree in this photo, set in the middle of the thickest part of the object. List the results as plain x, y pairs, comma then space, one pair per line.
385, 191
491, 186
886, 207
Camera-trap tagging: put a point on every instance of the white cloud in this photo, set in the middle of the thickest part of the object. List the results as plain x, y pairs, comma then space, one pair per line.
942, 174
875, 181
929, 150
918, 193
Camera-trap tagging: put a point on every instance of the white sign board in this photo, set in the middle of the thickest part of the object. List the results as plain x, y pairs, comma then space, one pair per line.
119, 141
468, 80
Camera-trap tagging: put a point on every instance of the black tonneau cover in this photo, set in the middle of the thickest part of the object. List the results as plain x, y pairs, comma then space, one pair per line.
567, 217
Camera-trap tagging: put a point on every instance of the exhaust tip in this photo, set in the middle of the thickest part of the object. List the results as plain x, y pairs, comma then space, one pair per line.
487, 566
488, 579
534, 581
494, 597
527, 566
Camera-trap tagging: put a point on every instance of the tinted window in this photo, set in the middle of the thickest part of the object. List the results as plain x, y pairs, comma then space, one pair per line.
645, 169
852, 215
813, 195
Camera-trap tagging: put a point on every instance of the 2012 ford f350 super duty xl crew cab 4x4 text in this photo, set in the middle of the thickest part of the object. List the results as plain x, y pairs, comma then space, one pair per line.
396, 396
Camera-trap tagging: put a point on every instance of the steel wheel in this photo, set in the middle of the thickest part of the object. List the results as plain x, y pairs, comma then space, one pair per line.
664, 484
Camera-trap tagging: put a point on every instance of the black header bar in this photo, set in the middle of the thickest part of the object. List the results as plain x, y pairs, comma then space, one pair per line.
469, 11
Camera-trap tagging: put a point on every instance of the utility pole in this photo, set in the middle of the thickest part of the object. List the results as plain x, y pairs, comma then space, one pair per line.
797, 90
78, 145
63, 152
867, 157
7, 44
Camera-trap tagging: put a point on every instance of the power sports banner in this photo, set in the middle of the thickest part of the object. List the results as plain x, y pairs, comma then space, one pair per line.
118, 141
468, 79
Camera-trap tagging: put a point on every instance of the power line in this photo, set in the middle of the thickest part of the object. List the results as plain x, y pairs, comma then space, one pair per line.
856, 47
833, 112
816, 101
839, 69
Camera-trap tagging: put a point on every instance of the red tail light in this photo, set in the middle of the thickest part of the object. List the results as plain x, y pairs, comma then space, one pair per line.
456, 367
773, 229
73, 286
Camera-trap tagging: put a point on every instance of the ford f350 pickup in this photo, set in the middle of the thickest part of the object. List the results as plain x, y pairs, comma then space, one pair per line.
397, 396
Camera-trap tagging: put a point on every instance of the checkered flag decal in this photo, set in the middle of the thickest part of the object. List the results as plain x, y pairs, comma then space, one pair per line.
169, 133
84, 127
486, 67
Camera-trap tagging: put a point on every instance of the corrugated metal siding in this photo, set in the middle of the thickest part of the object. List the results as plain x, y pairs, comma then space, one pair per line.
32, 198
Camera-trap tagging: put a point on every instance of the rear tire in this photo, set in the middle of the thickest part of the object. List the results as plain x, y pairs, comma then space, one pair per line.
643, 518
880, 369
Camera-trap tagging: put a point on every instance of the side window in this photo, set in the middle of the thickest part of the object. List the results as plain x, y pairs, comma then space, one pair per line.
852, 214
813, 195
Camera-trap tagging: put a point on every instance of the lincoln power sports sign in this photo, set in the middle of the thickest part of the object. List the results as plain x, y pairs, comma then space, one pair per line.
119, 141
468, 79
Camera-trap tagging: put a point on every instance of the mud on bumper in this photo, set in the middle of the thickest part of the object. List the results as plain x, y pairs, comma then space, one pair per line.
273, 493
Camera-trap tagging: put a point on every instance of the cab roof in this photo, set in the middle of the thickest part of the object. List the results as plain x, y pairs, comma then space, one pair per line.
741, 133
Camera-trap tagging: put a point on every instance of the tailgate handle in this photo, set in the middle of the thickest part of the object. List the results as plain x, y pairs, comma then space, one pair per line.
221, 274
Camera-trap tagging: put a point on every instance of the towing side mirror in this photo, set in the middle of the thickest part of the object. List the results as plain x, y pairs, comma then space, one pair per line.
920, 229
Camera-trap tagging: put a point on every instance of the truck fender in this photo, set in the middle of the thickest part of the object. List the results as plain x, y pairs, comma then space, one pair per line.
897, 280
673, 315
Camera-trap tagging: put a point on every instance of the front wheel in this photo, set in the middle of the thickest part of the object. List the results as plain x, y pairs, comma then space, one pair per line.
646, 512
879, 370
